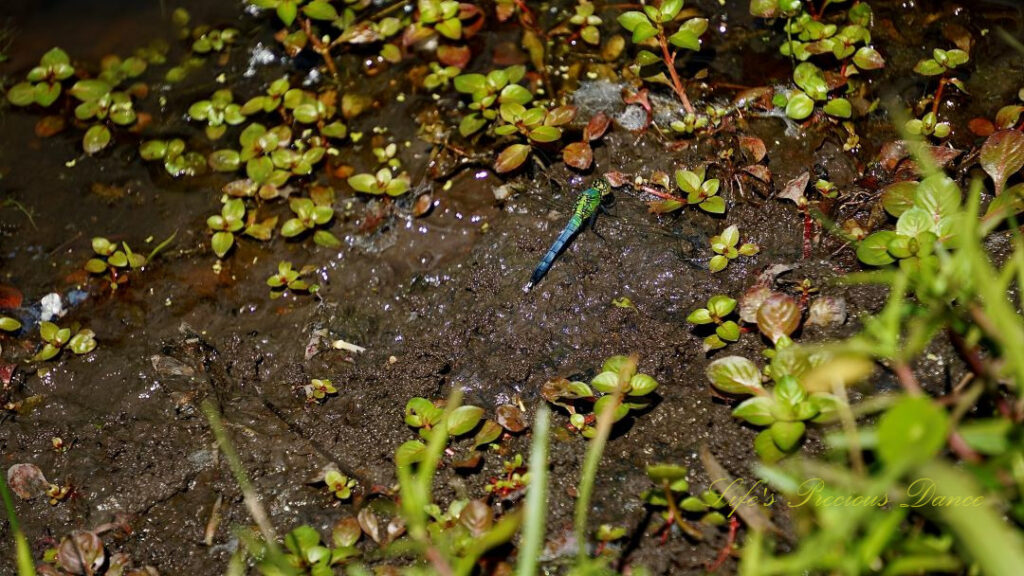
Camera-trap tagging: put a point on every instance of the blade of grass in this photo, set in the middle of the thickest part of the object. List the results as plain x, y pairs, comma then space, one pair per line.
22, 553
593, 457
536, 497
251, 499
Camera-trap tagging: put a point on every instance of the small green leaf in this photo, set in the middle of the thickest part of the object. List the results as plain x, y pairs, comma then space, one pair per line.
756, 410
9, 324
464, 419
735, 375
800, 106
786, 435
912, 431
606, 382
641, 385
874, 250
96, 138
222, 242
410, 453
838, 107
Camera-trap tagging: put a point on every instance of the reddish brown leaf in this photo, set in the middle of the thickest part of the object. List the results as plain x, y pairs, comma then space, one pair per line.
6, 372
751, 301
10, 297
760, 97
616, 179
423, 205
27, 481
597, 126
981, 126
753, 146
511, 158
457, 56
510, 417
759, 171
640, 97
794, 189
578, 155
1002, 156
50, 125
778, 316
559, 116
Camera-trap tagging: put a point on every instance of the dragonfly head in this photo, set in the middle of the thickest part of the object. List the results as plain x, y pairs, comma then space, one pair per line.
603, 186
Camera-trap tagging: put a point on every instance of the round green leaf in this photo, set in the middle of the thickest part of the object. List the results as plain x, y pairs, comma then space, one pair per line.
800, 106
756, 410
21, 94
464, 419
222, 242
96, 138
607, 382
874, 250
735, 375
786, 435
912, 431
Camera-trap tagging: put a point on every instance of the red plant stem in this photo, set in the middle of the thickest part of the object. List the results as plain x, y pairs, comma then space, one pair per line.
734, 525
808, 229
938, 96
906, 378
319, 47
670, 62
662, 195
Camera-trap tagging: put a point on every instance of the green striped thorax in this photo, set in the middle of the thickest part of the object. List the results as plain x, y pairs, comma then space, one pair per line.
590, 199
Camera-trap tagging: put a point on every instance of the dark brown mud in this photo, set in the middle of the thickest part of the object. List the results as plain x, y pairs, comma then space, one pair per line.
437, 302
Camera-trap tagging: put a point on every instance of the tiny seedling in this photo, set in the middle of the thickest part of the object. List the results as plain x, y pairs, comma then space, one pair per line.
288, 279
718, 308
725, 248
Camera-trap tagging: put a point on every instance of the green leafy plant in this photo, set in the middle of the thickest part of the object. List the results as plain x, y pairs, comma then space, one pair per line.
305, 554
99, 101
55, 339
383, 182
311, 213
586, 22
230, 221
651, 28
700, 191
288, 279
927, 214
496, 87
941, 64
809, 35
627, 390
515, 479
318, 390
339, 484
43, 82
116, 261
718, 308
207, 39
671, 496
219, 112
785, 410
177, 160
724, 246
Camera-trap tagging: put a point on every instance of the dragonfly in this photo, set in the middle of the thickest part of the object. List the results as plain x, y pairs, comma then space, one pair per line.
599, 197
587, 205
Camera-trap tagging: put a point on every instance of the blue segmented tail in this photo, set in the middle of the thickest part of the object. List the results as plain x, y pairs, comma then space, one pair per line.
586, 207
545, 264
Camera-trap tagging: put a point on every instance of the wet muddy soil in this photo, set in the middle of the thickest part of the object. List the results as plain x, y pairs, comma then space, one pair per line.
437, 301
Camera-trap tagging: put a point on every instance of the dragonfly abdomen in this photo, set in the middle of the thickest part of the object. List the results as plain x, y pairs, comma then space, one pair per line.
542, 268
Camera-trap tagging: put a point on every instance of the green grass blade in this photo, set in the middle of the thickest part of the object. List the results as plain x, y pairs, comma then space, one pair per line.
22, 554
536, 497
